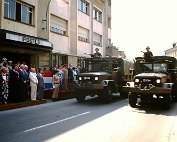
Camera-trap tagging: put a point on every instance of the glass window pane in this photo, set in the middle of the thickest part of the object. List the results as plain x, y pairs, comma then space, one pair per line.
18, 11
12, 9
24, 16
79, 5
94, 13
30, 16
84, 7
6, 8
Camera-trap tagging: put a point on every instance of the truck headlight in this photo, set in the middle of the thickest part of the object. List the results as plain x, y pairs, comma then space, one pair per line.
158, 81
80, 78
96, 78
137, 80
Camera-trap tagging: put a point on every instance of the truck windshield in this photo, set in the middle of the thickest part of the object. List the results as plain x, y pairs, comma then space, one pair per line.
105, 66
98, 67
153, 68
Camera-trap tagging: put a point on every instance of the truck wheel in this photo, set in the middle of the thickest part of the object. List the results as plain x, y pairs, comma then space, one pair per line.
107, 94
132, 100
167, 101
80, 98
123, 94
174, 98
173, 94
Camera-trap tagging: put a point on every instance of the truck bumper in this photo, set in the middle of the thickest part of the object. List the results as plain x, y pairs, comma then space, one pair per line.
154, 90
89, 87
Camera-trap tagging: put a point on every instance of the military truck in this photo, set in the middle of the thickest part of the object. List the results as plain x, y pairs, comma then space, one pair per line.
155, 79
103, 77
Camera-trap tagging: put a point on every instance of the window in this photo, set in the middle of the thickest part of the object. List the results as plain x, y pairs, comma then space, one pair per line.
26, 14
83, 6
109, 42
58, 25
97, 39
109, 22
97, 15
9, 8
83, 34
109, 2
18, 11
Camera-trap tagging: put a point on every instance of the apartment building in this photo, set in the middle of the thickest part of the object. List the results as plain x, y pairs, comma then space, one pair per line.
46, 33
172, 51
18, 29
77, 27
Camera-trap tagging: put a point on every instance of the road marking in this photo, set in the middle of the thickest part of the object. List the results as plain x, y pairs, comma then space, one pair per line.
49, 124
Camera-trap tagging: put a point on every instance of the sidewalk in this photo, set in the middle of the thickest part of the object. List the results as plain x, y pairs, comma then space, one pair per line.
21, 104
47, 95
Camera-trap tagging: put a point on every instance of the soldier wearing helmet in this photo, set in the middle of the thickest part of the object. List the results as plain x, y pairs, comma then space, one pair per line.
148, 53
97, 54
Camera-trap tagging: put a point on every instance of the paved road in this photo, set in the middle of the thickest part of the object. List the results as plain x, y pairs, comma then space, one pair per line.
91, 121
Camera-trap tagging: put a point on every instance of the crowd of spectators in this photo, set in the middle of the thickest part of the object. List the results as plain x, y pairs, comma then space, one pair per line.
63, 75
19, 83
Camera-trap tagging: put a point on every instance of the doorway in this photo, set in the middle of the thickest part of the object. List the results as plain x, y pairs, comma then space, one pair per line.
16, 57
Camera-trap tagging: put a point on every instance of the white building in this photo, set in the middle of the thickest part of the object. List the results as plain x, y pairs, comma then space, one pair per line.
172, 51
51, 32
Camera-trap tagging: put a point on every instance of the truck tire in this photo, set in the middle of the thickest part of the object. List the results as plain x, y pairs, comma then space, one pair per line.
124, 95
80, 98
174, 98
132, 100
173, 93
167, 101
107, 94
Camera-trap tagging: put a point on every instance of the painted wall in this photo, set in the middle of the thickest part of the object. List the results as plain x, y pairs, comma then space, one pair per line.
59, 8
83, 20
60, 43
19, 27
97, 27
83, 49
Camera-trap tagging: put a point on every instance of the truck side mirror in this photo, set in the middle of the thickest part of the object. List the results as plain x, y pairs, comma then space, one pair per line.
116, 69
131, 71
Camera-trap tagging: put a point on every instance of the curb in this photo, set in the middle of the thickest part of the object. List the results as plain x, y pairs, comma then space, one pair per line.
21, 104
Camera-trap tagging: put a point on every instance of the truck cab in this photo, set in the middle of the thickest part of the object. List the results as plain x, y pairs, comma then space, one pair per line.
154, 78
102, 77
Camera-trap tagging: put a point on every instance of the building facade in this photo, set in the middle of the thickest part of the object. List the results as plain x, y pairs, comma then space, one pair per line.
172, 51
19, 41
46, 33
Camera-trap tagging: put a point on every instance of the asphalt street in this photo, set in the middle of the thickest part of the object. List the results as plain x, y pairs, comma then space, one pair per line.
70, 121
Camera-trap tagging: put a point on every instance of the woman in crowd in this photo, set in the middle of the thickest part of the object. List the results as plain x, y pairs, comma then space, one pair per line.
5, 88
1, 84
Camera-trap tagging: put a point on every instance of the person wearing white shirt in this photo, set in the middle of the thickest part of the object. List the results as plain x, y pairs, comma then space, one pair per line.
33, 83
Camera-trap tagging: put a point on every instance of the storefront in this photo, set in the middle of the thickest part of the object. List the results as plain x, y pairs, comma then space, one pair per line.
18, 47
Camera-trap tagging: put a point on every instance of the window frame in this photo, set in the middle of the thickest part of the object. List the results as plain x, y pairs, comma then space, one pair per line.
100, 40
84, 6
18, 12
97, 15
57, 29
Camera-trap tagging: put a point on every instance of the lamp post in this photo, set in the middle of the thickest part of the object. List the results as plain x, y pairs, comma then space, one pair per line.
45, 20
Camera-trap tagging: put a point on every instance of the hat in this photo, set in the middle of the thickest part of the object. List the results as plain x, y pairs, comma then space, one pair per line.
96, 49
147, 47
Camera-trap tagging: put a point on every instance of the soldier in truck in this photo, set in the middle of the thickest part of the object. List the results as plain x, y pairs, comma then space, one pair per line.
148, 54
